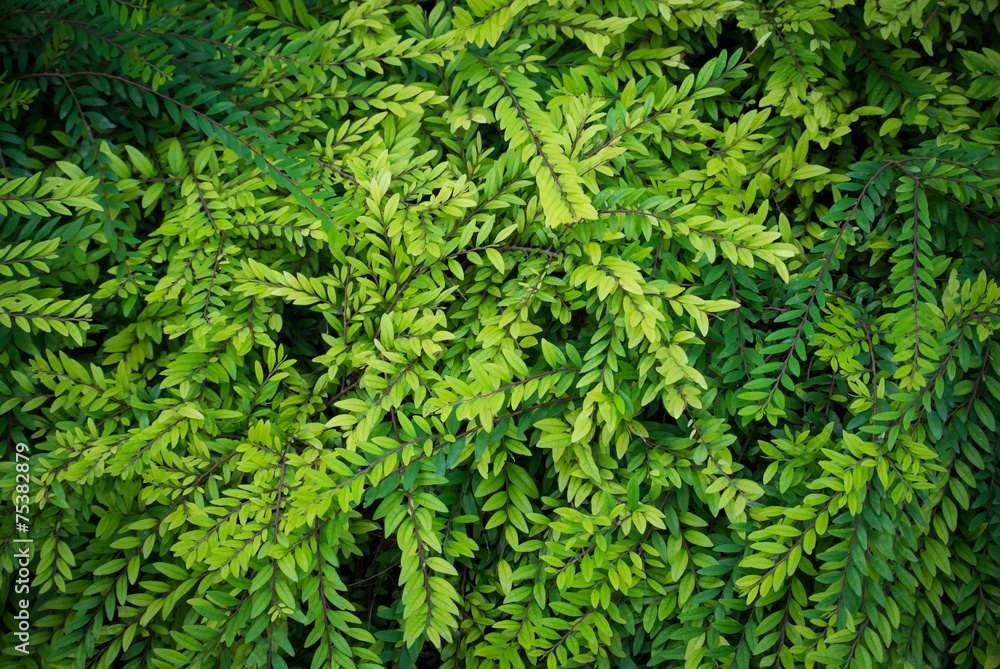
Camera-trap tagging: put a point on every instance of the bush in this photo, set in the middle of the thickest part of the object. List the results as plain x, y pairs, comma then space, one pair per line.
474, 335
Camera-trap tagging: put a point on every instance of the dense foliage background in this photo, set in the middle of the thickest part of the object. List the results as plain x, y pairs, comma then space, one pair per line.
503, 334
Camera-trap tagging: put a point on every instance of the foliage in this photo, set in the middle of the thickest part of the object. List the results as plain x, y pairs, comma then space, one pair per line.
566, 334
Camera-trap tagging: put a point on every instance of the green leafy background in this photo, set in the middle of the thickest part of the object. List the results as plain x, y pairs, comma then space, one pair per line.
503, 334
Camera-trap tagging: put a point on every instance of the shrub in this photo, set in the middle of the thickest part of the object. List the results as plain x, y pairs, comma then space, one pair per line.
566, 334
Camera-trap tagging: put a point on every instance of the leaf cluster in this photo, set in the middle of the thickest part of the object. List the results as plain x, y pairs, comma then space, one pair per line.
496, 335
